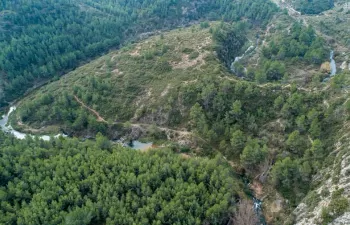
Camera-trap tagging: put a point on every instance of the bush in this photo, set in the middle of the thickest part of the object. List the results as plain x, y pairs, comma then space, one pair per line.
204, 25
337, 207
187, 50
163, 66
193, 55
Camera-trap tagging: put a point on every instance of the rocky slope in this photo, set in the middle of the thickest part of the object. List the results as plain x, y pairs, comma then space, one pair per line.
331, 184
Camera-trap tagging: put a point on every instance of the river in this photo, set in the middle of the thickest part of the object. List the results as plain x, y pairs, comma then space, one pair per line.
333, 64
257, 203
238, 58
7, 128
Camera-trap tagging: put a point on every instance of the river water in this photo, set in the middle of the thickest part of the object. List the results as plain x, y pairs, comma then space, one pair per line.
257, 203
238, 58
137, 145
7, 128
333, 64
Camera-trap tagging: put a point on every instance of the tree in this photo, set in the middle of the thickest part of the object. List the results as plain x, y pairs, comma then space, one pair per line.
315, 128
286, 177
318, 149
295, 143
301, 123
198, 118
274, 70
236, 110
78, 216
253, 154
260, 77
237, 143
102, 142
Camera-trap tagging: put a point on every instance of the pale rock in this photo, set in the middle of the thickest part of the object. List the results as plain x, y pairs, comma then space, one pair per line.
343, 65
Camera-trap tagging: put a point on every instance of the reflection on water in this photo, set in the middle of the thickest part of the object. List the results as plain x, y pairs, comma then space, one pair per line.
137, 145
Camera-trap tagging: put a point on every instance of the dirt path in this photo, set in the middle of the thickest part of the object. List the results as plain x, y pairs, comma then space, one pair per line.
99, 118
181, 132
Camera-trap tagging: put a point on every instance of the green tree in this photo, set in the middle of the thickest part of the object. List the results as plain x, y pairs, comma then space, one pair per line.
198, 118
287, 178
102, 142
295, 143
318, 149
237, 143
253, 154
78, 216
315, 128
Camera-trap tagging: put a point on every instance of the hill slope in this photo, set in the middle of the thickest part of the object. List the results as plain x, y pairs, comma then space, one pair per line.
174, 84
44, 39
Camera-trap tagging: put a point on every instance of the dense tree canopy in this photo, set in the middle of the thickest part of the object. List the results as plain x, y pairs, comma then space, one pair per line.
64, 181
313, 6
301, 43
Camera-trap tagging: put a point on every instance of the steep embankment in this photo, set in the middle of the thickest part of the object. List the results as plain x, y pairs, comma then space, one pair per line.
328, 200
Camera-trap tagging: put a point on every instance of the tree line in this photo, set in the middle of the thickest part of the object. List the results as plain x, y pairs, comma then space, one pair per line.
313, 6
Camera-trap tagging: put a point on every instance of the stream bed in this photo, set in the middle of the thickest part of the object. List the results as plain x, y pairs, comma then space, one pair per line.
257, 203
333, 67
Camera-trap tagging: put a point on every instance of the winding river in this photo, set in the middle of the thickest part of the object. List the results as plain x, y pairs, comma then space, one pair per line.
7, 128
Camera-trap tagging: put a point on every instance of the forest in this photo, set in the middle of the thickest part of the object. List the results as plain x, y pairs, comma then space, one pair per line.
65, 181
41, 40
313, 6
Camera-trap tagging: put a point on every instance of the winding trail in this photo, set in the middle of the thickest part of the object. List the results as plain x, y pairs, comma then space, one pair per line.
99, 118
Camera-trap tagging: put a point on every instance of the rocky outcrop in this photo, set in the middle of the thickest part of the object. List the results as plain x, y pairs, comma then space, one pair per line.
335, 177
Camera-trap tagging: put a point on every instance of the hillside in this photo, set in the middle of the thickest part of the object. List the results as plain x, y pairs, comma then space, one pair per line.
41, 40
327, 202
173, 86
264, 94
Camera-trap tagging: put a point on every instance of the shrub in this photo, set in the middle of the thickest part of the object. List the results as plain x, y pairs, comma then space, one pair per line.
193, 55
